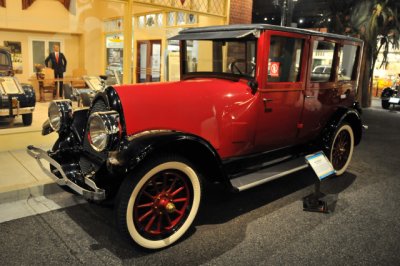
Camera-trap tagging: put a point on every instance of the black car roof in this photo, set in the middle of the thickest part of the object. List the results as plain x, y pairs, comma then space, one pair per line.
243, 28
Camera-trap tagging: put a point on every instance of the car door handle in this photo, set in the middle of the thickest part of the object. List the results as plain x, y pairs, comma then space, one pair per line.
266, 109
310, 97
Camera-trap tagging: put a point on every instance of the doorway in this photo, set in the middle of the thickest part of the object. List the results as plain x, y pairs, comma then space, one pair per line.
148, 61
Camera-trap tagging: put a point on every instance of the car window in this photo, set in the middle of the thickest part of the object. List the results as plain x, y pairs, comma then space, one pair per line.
4, 60
226, 57
284, 59
347, 62
322, 60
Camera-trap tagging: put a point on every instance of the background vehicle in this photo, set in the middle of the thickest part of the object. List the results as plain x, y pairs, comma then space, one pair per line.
246, 111
15, 98
390, 95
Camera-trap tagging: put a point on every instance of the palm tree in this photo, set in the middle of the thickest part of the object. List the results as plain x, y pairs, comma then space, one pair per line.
370, 20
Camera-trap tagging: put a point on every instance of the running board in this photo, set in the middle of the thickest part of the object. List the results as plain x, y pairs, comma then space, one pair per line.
268, 174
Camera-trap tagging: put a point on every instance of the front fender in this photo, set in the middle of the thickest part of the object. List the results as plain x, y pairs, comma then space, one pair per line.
141, 146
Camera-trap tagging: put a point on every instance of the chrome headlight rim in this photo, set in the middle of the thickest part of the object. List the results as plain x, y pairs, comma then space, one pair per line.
59, 114
103, 135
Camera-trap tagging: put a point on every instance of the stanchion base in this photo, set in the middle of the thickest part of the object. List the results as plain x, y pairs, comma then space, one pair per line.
312, 203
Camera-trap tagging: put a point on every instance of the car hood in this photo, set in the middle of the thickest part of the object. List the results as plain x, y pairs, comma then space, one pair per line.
198, 106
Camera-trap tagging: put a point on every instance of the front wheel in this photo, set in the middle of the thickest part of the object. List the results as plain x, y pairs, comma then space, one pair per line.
27, 119
157, 204
341, 148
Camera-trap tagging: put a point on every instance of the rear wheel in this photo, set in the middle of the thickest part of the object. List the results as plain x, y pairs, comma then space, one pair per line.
157, 204
342, 147
27, 119
385, 104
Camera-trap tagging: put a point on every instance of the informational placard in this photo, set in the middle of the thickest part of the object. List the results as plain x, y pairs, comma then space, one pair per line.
320, 164
394, 100
93, 82
274, 69
10, 85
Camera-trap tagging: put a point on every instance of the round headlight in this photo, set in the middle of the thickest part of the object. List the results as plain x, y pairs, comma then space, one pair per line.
103, 129
59, 113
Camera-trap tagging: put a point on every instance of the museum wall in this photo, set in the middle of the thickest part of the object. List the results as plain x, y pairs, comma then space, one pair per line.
80, 29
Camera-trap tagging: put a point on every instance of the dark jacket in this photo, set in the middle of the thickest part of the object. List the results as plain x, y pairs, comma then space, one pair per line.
59, 67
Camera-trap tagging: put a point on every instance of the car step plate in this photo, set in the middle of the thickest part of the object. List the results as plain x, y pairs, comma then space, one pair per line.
268, 174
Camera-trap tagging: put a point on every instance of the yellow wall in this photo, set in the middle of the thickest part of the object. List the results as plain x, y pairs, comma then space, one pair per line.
81, 29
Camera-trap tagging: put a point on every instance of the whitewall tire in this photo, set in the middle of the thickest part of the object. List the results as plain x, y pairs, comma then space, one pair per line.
157, 204
341, 148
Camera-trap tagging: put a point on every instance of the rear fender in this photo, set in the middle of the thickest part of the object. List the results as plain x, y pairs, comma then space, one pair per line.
342, 115
387, 93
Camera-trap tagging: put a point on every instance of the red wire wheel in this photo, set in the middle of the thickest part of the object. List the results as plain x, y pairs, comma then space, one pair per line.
342, 148
163, 204
158, 203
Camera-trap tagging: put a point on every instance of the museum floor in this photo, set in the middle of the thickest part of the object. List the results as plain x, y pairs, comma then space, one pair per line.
262, 226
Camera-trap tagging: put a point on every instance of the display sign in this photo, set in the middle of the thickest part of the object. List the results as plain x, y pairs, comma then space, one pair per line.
394, 100
10, 85
274, 69
320, 164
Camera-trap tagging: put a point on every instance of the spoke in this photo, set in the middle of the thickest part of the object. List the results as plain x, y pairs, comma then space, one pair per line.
168, 218
145, 215
177, 191
150, 223
164, 187
155, 186
147, 194
145, 205
180, 200
172, 185
159, 223
179, 212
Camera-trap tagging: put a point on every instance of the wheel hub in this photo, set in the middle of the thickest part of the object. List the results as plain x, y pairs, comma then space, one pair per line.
163, 202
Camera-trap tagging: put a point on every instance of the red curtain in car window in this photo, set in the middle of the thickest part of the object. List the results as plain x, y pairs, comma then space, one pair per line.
27, 3
3, 3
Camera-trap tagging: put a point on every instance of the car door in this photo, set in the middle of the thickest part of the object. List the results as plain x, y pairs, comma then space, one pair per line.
321, 96
280, 95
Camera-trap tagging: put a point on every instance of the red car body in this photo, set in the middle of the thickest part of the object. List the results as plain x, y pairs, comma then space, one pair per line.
247, 110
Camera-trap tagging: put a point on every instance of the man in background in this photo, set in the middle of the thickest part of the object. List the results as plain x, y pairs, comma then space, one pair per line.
58, 64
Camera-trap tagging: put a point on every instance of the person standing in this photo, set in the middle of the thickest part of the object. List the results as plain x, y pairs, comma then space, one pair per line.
58, 64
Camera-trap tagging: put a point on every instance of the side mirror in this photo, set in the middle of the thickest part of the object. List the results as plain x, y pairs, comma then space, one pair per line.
253, 84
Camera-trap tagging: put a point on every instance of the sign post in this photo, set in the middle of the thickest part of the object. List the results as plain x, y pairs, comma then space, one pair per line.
323, 169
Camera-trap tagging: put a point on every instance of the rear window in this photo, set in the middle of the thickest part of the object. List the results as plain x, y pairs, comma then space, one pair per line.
322, 57
347, 62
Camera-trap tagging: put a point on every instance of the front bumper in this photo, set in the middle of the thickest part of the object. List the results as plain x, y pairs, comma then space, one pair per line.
16, 111
97, 195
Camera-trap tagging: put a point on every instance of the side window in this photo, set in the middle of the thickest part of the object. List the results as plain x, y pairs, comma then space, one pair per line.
347, 62
4, 59
322, 61
284, 59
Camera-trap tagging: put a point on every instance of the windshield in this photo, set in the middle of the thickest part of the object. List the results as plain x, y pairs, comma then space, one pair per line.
220, 57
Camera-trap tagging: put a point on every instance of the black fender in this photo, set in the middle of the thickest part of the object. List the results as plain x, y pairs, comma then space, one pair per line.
142, 146
26, 99
387, 93
342, 115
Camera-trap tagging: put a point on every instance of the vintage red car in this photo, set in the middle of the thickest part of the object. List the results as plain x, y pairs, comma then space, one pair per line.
247, 109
